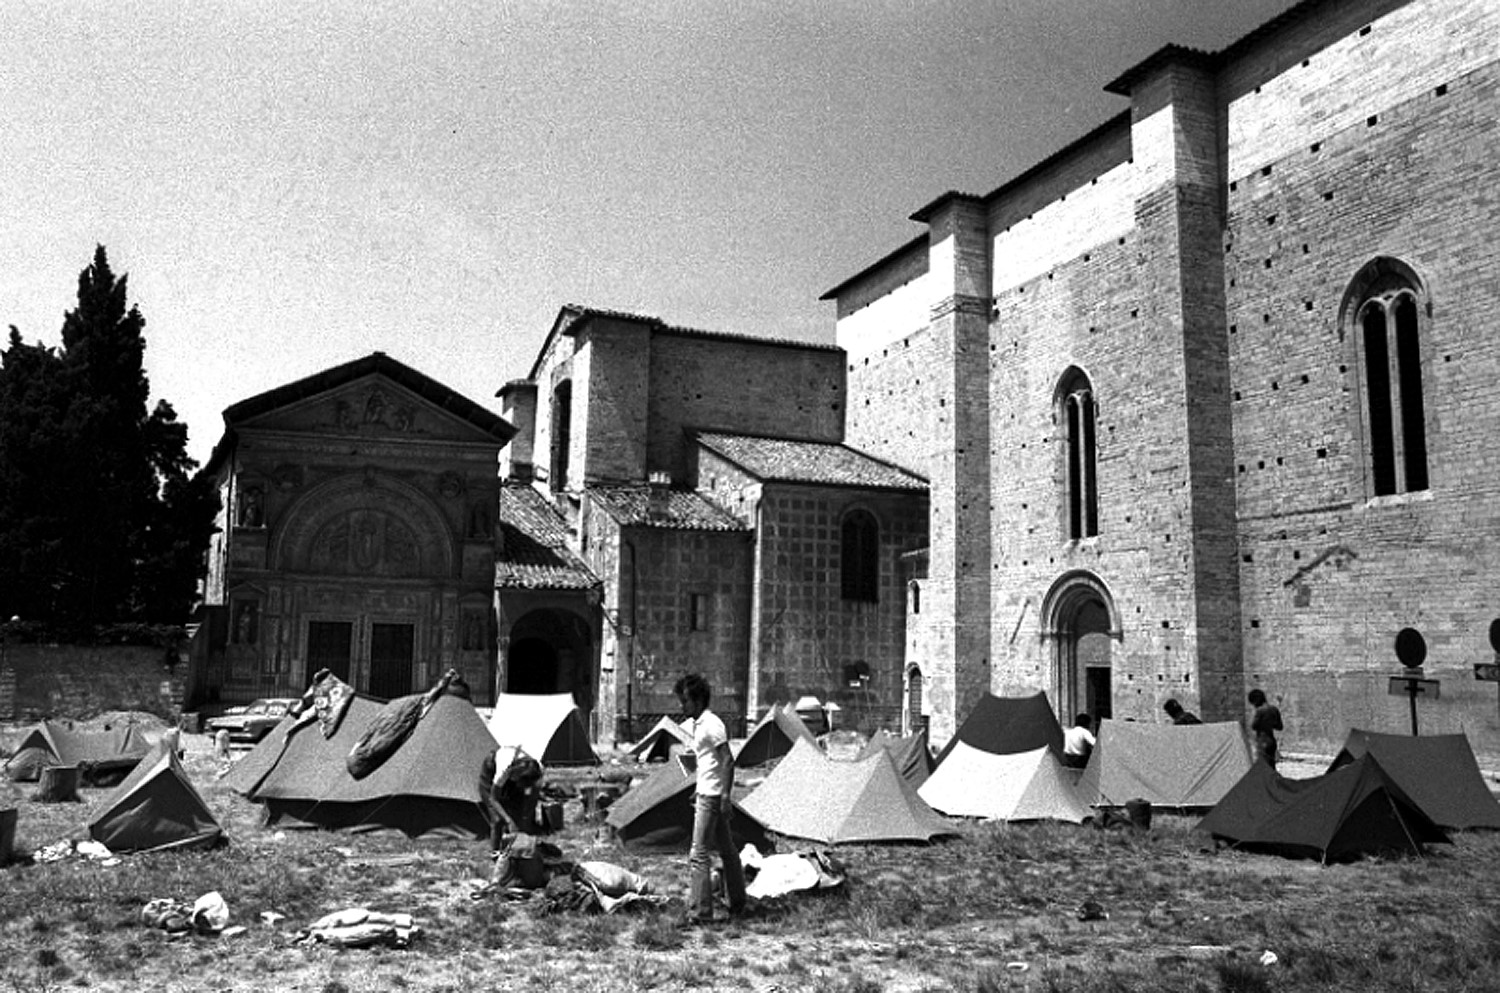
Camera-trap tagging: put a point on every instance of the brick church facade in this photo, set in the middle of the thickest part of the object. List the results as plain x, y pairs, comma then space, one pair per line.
1200, 403
1206, 399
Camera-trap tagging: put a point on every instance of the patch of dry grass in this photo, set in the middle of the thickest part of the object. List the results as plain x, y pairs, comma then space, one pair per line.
992, 910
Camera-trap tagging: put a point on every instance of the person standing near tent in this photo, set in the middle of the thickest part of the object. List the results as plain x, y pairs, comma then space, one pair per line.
1264, 723
713, 765
1078, 742
1180, 714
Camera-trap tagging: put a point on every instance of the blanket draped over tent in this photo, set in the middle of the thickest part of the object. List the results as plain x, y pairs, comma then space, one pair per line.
1007, 725
436, 783
1353, 811
1439, 773
546, 726
156, 807
1027, 786
1186, 766
810, 796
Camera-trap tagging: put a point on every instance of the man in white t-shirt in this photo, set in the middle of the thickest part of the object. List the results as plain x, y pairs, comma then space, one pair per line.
1078, 742
713, 763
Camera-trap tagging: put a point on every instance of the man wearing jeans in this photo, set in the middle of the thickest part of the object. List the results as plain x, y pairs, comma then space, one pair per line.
714, 766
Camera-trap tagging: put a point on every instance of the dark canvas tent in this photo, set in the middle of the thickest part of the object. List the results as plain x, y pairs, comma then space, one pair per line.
102, 757
773, 736
1026, 786
1352, 811
1439, 773
435, 783
156, 807
1007, 725
665, 737
657, 815
910, 753
810, 796
546, 726
1186, 766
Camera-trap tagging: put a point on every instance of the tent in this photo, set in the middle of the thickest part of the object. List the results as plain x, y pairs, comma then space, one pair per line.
1027, 786
659, 743
154, 808
103, 757
773, 736
910, 753
1007, 725
1438, 772
1184, 766
546, 726
1355, 810
810, 796
435, 783
657, 815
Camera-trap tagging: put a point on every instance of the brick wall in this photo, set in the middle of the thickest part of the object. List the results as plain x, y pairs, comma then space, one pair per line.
1385, 145
78, 682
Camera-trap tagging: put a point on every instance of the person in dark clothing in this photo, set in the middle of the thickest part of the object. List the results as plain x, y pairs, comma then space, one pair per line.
1264, 723
1179, 714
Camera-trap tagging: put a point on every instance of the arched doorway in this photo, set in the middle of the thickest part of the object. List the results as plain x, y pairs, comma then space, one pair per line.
551, 651
1080, 622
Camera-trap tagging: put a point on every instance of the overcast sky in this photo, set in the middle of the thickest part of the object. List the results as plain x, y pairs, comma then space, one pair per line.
292, 185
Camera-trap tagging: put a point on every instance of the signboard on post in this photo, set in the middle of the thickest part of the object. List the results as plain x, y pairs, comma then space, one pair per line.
1413, 686
1411, 651
1487, 672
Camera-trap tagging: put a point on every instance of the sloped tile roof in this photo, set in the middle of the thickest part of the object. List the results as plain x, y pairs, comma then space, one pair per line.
536, 554
630, 505
813, 462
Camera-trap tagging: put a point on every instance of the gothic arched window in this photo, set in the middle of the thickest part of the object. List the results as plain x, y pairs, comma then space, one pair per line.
1385, 304
1076, 412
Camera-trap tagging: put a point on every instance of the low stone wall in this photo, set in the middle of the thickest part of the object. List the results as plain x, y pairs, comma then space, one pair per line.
78, 682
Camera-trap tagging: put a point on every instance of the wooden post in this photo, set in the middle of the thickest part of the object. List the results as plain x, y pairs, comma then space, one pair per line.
58, 783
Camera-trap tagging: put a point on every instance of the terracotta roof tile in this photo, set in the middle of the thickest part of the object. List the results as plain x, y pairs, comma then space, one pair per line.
813, 462
536, 555
630, 505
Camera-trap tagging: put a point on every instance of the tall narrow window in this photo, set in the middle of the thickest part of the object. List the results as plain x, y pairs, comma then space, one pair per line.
697, 611
1075, 398
1387, 319
860, 572
562, 423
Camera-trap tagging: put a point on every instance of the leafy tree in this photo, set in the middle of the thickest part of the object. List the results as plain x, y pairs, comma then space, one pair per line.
102, 520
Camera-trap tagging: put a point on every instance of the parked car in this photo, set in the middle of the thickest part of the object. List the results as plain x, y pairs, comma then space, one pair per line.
247, 725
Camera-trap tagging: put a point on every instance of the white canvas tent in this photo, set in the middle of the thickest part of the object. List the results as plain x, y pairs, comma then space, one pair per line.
810, 796
1025, 786
546, 726
1186, 766
661, 741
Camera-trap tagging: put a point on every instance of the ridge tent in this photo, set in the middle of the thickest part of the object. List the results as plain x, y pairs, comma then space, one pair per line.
546, 726
659, 743
810, 796
103, 757
1181, 766
1439, 773
656, 815
155, 808
435, 783
773, 736
910, 753
1007, 725
1341, 815
1026, 786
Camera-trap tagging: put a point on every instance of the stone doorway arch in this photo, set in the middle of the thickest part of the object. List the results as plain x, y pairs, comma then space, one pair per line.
551, 650
1082, 627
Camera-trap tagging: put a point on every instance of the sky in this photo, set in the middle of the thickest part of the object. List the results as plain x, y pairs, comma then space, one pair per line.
290, 186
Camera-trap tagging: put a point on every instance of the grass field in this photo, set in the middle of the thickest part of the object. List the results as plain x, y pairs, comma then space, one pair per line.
995, 909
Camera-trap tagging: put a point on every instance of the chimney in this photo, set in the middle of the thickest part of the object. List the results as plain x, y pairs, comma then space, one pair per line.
658, 495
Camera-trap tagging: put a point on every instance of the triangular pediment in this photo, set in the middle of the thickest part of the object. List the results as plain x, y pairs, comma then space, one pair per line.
372, 398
